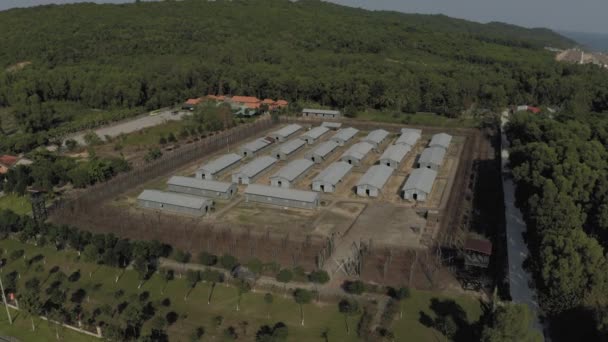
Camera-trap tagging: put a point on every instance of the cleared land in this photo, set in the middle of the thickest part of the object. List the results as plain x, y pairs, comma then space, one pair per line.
19, 204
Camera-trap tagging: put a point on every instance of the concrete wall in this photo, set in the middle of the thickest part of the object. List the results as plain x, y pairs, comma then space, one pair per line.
367, 191
171, 208
204, 175
203, 193
280, 182
390, 163
429, 166
237, 178
280, 202
322, 186
419, 195
318, 115
317, 159
352, 161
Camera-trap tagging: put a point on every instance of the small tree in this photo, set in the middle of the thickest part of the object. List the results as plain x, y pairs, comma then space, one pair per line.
192, 278
348, 308
71, 144
400, 295
207, 259
284, 276
197, 334
228, 261
268, 299
318, 277
302, 297
213, 277
356, 287
242, 288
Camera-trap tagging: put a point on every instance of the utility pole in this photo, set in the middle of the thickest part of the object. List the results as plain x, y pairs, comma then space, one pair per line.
8, 313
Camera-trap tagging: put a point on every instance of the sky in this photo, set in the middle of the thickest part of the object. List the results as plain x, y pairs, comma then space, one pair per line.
565, 15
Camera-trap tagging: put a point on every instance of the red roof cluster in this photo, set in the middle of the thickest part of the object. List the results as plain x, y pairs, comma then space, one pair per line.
8, 160
534, 110
194, 102
251, 102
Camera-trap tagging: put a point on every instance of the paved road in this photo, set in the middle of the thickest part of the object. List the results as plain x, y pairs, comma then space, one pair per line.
132, 125
519, 279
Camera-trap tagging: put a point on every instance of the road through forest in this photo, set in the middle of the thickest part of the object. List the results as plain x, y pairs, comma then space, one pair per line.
520, 280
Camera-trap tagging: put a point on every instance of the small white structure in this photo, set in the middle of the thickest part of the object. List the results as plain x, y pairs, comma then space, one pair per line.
288, 149
356, 153
251, 171
174, 202
313, 134
252, 148
321, 113
285, 132
210, 170
290, 173
409, 136
376, 137
442, 140
373, 180
394, 155
201, 187
320, 154
344, 135
419, 185
282, 197
432, 158
328, 179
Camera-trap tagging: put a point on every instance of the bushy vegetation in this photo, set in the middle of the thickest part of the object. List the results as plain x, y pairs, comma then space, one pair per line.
561, 169
116, 59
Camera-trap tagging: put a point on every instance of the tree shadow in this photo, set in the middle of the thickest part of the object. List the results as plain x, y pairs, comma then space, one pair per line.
450, 319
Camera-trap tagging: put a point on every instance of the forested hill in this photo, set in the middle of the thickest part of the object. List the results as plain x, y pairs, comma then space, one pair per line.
152, 54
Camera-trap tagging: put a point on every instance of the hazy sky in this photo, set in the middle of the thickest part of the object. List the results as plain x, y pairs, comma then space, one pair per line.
570, 15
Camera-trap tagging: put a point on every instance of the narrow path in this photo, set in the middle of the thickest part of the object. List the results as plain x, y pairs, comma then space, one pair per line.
520, 280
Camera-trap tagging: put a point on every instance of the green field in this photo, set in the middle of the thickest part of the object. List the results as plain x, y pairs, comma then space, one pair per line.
99, 284
19, 204
150, 136
45, 331
423, 119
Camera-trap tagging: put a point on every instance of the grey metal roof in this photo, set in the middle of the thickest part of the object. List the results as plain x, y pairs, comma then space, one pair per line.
358, 150
376, 176
325, 148
283, 193
293, 169
409, 136
421, 179
221, 163
316, 132
291, 146
441, 139
256, 166
201, 184
432, 155
321, 111
345, 134
376, 136
172, 198
396, 152
257, 144
411, 130
331, 124
287, 130
334, 173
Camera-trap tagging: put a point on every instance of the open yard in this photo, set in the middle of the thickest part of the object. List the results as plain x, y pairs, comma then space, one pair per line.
422, 119
19, 204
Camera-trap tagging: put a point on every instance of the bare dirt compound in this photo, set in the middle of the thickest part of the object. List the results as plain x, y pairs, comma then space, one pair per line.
394, 241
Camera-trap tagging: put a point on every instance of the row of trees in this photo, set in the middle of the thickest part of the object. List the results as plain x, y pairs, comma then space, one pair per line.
49, 170
415, 63
561, 170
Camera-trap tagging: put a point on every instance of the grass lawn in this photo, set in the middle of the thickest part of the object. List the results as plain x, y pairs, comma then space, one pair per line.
7, 120
150, 136
101, 288
45, 331
423, 306
19, 204
424, 119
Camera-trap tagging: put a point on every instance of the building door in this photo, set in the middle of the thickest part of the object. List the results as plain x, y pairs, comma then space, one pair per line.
367, 192
323, 188
415, 197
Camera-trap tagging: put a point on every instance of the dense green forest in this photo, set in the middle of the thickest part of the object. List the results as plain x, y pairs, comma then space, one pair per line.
61, 64
561, 170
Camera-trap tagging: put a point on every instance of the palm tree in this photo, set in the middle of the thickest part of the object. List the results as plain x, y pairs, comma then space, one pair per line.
268, 298
242, 287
